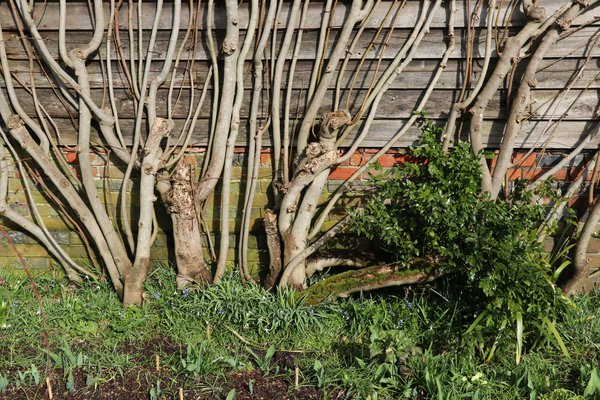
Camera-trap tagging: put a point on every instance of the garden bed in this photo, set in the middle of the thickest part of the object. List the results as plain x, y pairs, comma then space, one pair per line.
237, 340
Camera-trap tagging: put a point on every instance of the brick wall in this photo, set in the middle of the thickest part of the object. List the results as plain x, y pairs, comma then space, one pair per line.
108, 180
108, 175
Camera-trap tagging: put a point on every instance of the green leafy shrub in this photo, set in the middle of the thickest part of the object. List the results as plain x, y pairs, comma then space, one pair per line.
432, 207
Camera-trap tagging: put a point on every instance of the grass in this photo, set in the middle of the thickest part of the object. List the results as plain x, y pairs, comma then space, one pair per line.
402, 344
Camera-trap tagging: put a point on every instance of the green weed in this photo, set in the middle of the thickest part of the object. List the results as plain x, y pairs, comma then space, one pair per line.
404, 344
431, 208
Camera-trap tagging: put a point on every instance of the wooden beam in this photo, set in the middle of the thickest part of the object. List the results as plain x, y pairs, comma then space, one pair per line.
532, 134
554, 73
79, 19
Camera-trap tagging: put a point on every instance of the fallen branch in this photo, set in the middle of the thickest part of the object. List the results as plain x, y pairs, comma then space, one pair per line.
319, 264
371, 278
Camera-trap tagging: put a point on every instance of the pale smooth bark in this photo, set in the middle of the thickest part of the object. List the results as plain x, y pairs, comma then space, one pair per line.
522, 99
231, 142
357, 12
35, 228
219, 144
151, 163
420, 107
537, 23
255, 135
295, 216
276, 97
580, 262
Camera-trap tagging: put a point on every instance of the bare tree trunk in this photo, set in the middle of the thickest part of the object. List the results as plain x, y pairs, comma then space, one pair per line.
292, 232
537, 22
255, 135
41, 233
230, 53
231, 142
295, 217
522, 99
276, 99
186, 229
151, 163
317, 265
357, 12
20, 134
391, 73
300, 259
580, 262
274, 246
292, 246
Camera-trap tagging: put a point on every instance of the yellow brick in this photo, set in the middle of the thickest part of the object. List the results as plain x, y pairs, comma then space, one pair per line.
47, 210
77, 251
25, 250
55, 223
236, 172
159, 253
260, 200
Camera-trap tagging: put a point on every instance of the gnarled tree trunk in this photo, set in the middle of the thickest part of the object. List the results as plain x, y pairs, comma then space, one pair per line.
181, 204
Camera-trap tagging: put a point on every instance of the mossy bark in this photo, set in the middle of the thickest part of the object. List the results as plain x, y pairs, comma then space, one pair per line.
371, 278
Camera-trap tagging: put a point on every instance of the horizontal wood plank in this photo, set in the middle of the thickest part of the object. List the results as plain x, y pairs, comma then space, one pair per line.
564, 62
79, 16
432, 47
553, 74
532, 134
395, 104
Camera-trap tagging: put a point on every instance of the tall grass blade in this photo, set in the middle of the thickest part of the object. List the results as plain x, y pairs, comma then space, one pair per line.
558, 338
519, 337
559, 270
476, 322
593, 386
493, 349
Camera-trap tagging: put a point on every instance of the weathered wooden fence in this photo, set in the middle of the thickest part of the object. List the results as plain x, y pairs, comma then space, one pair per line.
561, 65
542, 129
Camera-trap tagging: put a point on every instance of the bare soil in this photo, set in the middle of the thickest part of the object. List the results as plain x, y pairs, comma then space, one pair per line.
137, 382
